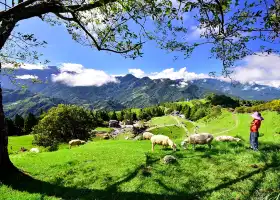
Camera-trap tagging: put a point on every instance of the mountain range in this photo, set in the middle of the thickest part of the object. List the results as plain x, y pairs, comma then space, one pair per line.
128, 91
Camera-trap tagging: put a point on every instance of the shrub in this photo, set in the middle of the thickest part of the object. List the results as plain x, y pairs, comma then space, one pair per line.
63, 123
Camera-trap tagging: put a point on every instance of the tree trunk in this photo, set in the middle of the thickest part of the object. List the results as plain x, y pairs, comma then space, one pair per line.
5, 164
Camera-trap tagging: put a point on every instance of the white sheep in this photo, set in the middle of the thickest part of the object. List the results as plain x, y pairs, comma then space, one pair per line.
76, 142
202, 138
147, 135
226, 138
162, 140
35, 150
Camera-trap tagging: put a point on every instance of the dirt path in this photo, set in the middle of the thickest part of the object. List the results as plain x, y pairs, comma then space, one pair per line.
154, 127
184, 127
180, 124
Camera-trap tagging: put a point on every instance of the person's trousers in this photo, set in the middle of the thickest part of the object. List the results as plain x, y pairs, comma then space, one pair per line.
254, 140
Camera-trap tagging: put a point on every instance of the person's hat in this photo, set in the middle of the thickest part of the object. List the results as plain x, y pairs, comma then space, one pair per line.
257, 115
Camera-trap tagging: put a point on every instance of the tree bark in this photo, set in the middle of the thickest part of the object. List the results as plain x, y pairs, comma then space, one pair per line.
5, 164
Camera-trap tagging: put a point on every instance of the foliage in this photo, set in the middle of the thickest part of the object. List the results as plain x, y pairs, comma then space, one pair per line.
222, 100
228, 28
12, 130
63, 123
29, 122
113, 116
271, 105
19, 124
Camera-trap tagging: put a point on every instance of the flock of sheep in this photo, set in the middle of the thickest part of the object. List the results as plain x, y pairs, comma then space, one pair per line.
202, 138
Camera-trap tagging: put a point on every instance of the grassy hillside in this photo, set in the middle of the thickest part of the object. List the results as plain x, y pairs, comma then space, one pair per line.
127, 169
161, 121
16, 142
176, 133
239, 124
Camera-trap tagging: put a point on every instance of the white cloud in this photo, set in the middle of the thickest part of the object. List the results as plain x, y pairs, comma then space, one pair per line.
137, 72
27, 76
82, 76
261, 69
26, 66
180, 74
195, 32
170, 73
71, 67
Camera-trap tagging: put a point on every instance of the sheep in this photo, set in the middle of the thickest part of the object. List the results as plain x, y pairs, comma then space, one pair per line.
162, 140
202, 138
76, 142
147, 135
226, 138
35, 150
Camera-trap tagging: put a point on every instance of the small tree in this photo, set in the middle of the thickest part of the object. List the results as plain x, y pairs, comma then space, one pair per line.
113, 116
63, 123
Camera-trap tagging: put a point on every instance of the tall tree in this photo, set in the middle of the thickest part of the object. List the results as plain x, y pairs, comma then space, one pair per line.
19, 124
11, 127
29, 122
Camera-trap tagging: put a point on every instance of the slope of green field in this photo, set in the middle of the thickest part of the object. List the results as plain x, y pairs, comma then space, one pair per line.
127, 169
16, 142
175, 133
162, 121
120, 169
239, 125
104, 129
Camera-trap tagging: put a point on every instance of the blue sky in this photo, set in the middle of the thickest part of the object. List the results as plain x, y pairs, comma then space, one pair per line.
62, 49
99, 67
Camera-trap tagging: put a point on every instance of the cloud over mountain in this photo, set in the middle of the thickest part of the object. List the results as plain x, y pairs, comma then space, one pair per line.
261, 68
77, 75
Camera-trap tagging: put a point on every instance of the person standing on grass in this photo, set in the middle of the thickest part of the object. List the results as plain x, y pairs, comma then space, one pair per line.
254, 130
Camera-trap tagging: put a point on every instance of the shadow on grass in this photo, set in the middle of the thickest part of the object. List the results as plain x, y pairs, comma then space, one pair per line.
23, 182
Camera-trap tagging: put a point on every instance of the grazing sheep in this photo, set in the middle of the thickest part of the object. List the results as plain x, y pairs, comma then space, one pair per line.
147, 135
226, 138
202, 138
76, 142
162, 140
35, 150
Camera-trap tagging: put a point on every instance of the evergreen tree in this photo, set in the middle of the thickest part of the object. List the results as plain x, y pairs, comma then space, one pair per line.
11, 127
19, 124
29, 122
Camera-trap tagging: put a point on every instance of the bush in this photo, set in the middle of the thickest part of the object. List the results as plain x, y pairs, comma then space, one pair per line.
63, 123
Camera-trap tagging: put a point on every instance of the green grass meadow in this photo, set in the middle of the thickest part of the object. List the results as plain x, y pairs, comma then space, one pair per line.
127, 169
161, 121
